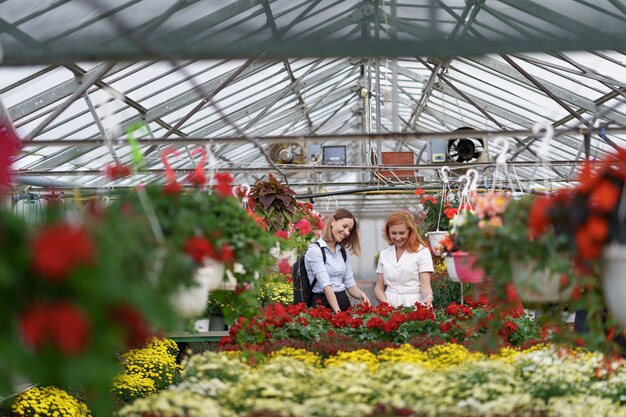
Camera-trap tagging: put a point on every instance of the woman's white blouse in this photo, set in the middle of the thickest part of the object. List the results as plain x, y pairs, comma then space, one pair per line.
401, 277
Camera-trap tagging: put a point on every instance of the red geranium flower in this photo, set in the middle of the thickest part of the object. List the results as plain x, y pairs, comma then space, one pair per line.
58, 249
117, 171
69, 328
198, 247
283, 266
61, 325
304, 227
227, 253
135, 326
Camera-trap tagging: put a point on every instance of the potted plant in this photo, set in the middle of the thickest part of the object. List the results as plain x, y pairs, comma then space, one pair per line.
538, 266
432, 216
592, 217
274, 202
460, 263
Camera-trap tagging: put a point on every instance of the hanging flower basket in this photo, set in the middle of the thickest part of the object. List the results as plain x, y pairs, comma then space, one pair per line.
435, 239
451, 269
539, 286
464, 266
614, 280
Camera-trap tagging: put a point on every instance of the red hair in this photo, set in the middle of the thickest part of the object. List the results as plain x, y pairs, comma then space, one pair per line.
401, 217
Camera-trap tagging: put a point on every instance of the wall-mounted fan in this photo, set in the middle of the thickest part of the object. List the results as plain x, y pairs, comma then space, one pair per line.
467, 150
287, 153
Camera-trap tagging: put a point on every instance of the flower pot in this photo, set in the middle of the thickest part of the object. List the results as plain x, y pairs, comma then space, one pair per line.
614, 280
451, 269
435, 239
217, 324
202, 325
464, 266
538, 286
190, 302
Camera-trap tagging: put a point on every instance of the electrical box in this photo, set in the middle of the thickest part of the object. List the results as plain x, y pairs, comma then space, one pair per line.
334, 155
398, 158
437, 151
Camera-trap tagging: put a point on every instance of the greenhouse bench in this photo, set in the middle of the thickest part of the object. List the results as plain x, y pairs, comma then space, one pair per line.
187, 337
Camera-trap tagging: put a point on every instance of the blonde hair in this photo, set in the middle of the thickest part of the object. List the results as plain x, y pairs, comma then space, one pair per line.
402, 217
352, 241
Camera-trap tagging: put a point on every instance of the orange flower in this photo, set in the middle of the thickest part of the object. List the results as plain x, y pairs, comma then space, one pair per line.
588, 249
419, 191
538, 219
604, 197
597, 228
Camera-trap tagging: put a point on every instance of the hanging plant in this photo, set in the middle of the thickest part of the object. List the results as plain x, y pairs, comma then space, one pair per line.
275, 202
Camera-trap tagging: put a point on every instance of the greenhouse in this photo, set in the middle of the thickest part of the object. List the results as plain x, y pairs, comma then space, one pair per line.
166, 165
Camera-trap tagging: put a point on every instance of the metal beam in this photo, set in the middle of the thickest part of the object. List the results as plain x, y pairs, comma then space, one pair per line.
462, 21
555, 90
191, 140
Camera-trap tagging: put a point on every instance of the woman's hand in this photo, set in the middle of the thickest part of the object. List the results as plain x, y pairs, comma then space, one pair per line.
364, 298
428, 301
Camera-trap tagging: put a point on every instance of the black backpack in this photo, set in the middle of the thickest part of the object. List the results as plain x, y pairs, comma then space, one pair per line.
302, 287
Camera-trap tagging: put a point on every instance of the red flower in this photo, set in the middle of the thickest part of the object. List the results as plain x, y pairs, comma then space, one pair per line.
538, 219
63, 326
283, 266
419, 191
60, 248
604, 196
227, 254
597, 228
450, 212
196, 178
445, 327
69, 328
135, 326
588, 249
224, 187
198, 247
304, 227
117, 171
282, 234
33, 326
173, 187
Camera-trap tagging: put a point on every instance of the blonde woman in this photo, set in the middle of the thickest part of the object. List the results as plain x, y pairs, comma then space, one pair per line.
333, 278
406, 266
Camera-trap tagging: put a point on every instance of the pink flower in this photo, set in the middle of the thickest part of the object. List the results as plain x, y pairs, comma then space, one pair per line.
282, 234
283, 266
304, 227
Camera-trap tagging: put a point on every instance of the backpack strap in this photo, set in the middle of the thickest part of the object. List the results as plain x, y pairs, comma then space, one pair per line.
324, 253
343, 255
341, 249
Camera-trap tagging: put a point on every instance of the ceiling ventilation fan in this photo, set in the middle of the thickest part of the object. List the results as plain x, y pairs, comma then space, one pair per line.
287, 153
467, 150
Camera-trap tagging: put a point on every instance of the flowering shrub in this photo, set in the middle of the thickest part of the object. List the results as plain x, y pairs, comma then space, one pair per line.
379, 324
198, 226
276, 287
444, 380
432, 213
71, 300
498, 232
588, 216
48, 401
147, 370
306, 227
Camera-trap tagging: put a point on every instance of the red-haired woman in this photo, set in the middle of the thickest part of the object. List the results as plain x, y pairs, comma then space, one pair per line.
406, 266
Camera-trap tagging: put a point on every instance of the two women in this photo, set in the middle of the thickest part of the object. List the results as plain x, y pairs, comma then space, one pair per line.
335, 279
405, 267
